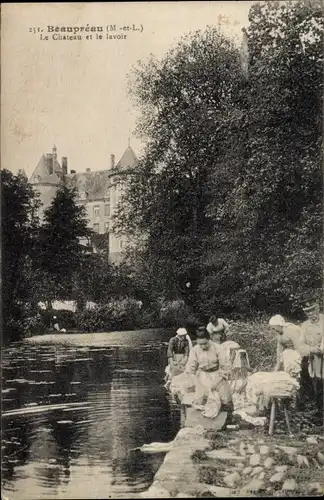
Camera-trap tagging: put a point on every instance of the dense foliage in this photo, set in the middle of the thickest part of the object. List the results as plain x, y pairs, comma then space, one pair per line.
43, 262
186, 100
224, 209
271, 222
122, 314
60, 248
226, 203
19, 224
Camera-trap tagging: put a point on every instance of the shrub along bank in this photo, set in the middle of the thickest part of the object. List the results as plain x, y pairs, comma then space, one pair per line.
116, 315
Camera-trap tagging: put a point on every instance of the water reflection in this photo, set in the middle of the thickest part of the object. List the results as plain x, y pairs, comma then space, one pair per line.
86, 451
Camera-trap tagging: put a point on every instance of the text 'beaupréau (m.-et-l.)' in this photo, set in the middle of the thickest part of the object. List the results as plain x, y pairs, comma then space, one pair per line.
85, 32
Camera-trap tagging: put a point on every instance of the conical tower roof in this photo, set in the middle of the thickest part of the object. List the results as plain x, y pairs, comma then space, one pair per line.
42, 171
128, 160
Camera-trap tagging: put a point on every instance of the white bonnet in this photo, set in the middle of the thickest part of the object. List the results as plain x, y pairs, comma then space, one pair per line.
277, 320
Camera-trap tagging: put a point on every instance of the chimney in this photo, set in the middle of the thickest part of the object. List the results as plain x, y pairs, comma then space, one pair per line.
22, 172
54, 152
112, 161
88, 169
64, 165
73, 172
49, 163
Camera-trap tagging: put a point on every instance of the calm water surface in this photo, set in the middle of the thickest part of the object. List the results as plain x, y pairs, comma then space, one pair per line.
72, 416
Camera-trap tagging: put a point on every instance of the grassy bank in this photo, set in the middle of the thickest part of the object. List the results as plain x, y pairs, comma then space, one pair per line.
259, 342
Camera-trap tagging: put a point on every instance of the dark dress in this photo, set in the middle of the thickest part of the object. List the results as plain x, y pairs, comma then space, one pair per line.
178, 351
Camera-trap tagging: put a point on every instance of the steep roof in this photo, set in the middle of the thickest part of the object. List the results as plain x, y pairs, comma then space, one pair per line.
42, 171
46, 194
128, 159
96, 184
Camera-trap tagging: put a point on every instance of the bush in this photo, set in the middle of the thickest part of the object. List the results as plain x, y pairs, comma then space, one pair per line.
149, 318
128, 314
65, 318
34, 325
123, 314
12, 329
118, 314
258, 341
175, 313
90, 320
47, 316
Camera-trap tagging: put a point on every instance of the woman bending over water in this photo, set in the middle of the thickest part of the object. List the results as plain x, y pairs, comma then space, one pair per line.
207, 360
217, 329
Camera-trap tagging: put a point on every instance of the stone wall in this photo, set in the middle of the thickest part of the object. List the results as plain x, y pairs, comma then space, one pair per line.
239, 464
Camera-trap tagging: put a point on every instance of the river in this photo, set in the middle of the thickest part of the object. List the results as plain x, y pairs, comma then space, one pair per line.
74, 412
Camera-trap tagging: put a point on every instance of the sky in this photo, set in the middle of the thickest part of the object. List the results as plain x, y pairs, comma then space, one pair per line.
73, 93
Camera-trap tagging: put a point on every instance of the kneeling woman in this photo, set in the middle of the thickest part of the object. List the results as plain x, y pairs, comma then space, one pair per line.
207, 360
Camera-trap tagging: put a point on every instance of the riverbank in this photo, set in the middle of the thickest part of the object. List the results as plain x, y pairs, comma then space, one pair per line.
254, 336
100, 339
204, 464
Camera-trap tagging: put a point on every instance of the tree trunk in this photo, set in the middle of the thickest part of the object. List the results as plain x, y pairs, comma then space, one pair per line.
80, 304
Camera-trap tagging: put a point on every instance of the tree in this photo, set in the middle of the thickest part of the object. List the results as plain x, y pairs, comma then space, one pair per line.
228, 194
271, 222
62, 251
190, 108
19, 208
100, 242
95, 280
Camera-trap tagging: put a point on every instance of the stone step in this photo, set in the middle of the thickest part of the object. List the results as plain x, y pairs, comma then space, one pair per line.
194, 418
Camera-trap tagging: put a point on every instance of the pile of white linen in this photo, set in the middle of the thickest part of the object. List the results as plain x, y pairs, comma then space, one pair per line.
262, 386
212, 406
183, 385
291, 360
197, 392
238, 382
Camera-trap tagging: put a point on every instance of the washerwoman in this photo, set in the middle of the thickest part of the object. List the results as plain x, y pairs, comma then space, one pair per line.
178, 352
207, 361
293, 354
217, 329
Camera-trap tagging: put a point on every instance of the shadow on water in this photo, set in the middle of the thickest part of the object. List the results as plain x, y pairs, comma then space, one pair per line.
84, 410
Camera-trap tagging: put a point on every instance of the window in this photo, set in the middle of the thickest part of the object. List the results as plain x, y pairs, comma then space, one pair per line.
107, 195
120, 245
107, 210
96, 211
96, 228
106, 227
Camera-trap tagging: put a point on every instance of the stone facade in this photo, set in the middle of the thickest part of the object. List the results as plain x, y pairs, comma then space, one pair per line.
99, 191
